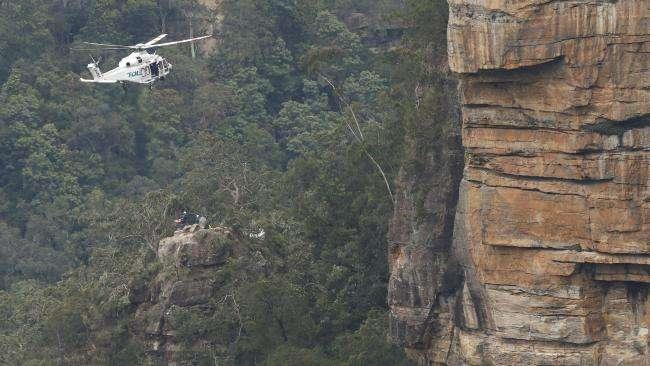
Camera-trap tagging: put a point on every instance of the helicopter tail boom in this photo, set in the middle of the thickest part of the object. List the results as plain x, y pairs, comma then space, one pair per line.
98, 77
99, 81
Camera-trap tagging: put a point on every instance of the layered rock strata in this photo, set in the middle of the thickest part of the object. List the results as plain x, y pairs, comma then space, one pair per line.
190, 263
552, 229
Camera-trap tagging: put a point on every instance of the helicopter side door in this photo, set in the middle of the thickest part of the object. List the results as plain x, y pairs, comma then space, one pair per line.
155, 69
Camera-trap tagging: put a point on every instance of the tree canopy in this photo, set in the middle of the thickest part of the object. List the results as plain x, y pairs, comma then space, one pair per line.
294, 121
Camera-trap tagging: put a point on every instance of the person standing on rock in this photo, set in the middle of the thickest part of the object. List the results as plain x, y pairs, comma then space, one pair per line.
203, 222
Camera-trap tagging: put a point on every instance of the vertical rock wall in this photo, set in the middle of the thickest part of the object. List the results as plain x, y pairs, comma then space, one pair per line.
553, 221
423, 273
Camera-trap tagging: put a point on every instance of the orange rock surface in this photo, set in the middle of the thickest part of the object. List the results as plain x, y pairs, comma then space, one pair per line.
552, 230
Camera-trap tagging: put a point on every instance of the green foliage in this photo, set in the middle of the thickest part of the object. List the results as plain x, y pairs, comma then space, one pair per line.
252, 135
369, 345
295, 356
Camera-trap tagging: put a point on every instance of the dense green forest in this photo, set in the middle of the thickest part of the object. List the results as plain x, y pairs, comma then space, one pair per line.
289, 123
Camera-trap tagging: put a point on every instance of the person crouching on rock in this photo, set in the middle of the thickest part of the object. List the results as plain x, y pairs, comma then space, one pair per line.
186, 219
180, 221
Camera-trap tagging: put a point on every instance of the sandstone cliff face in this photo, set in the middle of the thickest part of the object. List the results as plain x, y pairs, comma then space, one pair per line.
190, 264
552, 228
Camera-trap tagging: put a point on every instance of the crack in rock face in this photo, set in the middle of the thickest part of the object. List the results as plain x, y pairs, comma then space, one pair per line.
551, 239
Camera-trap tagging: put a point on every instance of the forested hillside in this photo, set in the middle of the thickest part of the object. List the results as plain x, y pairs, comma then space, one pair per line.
294, 122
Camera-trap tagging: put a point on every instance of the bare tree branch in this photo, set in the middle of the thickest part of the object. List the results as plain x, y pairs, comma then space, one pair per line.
359, 137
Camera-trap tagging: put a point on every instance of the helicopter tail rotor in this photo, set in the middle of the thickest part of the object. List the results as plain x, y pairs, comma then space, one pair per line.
93, 67
96, 62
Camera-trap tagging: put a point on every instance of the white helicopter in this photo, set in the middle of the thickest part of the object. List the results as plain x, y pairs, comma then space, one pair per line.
139, 67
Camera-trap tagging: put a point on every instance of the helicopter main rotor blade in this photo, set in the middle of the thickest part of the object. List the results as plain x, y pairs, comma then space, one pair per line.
108, 45
145, 46
155, 40
173, 43
98, 49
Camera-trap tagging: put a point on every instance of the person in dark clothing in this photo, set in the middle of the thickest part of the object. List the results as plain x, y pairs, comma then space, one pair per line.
187, 218
155, 70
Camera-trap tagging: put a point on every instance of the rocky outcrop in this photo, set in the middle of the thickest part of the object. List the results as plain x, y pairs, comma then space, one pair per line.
376, 30
552, 230
424, 274
190, 262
